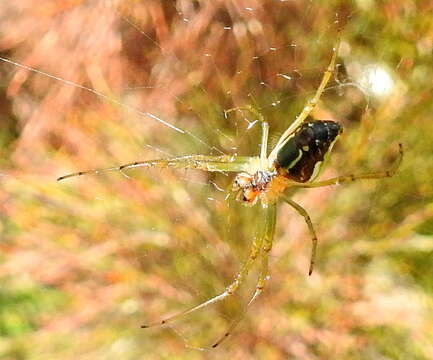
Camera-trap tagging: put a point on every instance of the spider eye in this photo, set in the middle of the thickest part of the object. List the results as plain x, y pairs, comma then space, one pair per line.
243, 180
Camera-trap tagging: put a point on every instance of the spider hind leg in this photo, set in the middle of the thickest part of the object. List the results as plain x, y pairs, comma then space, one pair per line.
261, 243
354, 177
268, 237
307, 218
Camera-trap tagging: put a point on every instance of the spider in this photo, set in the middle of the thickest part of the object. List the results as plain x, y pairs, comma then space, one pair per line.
296, 161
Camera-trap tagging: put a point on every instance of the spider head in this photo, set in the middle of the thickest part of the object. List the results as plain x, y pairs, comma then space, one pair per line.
250, 187
243, 186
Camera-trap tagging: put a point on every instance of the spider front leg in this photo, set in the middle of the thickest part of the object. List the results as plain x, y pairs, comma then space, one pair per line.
222, 163
349, 178
307, 218
311, 104
268, 236
269, 215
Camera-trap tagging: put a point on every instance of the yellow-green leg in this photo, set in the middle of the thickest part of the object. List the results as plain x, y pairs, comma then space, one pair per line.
268, 214
222, 163
311, 104
349, 178
268, 236
307, 218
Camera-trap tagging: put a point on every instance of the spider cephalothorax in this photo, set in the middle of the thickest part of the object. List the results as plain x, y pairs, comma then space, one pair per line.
250, 187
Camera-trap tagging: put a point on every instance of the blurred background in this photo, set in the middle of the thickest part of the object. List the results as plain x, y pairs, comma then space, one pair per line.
85, 262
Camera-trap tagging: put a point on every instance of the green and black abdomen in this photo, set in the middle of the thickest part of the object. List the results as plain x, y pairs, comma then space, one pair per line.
304, 152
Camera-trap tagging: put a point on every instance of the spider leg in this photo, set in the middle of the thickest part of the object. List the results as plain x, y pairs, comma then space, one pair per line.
353, 177
256, 248
202, 162
264, 145
307, 218
268, 235
311, 104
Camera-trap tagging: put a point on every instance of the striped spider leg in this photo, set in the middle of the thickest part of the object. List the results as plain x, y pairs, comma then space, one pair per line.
223, 163
311, 104
354, 177
266, 236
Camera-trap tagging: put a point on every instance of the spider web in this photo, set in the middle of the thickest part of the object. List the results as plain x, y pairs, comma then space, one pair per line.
152, 81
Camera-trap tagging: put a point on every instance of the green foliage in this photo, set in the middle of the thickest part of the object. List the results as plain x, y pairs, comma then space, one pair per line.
20, 309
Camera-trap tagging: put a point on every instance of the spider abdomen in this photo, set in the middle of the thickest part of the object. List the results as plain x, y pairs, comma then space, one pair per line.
303, 154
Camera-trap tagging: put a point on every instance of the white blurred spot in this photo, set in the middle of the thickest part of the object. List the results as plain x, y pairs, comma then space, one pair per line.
287, 77
129, 307
251, 124
377, 81
255, 27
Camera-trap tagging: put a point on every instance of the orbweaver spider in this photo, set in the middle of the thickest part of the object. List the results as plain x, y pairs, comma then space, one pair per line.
296, 161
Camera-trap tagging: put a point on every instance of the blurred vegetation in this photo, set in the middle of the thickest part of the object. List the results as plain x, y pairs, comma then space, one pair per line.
84, 263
